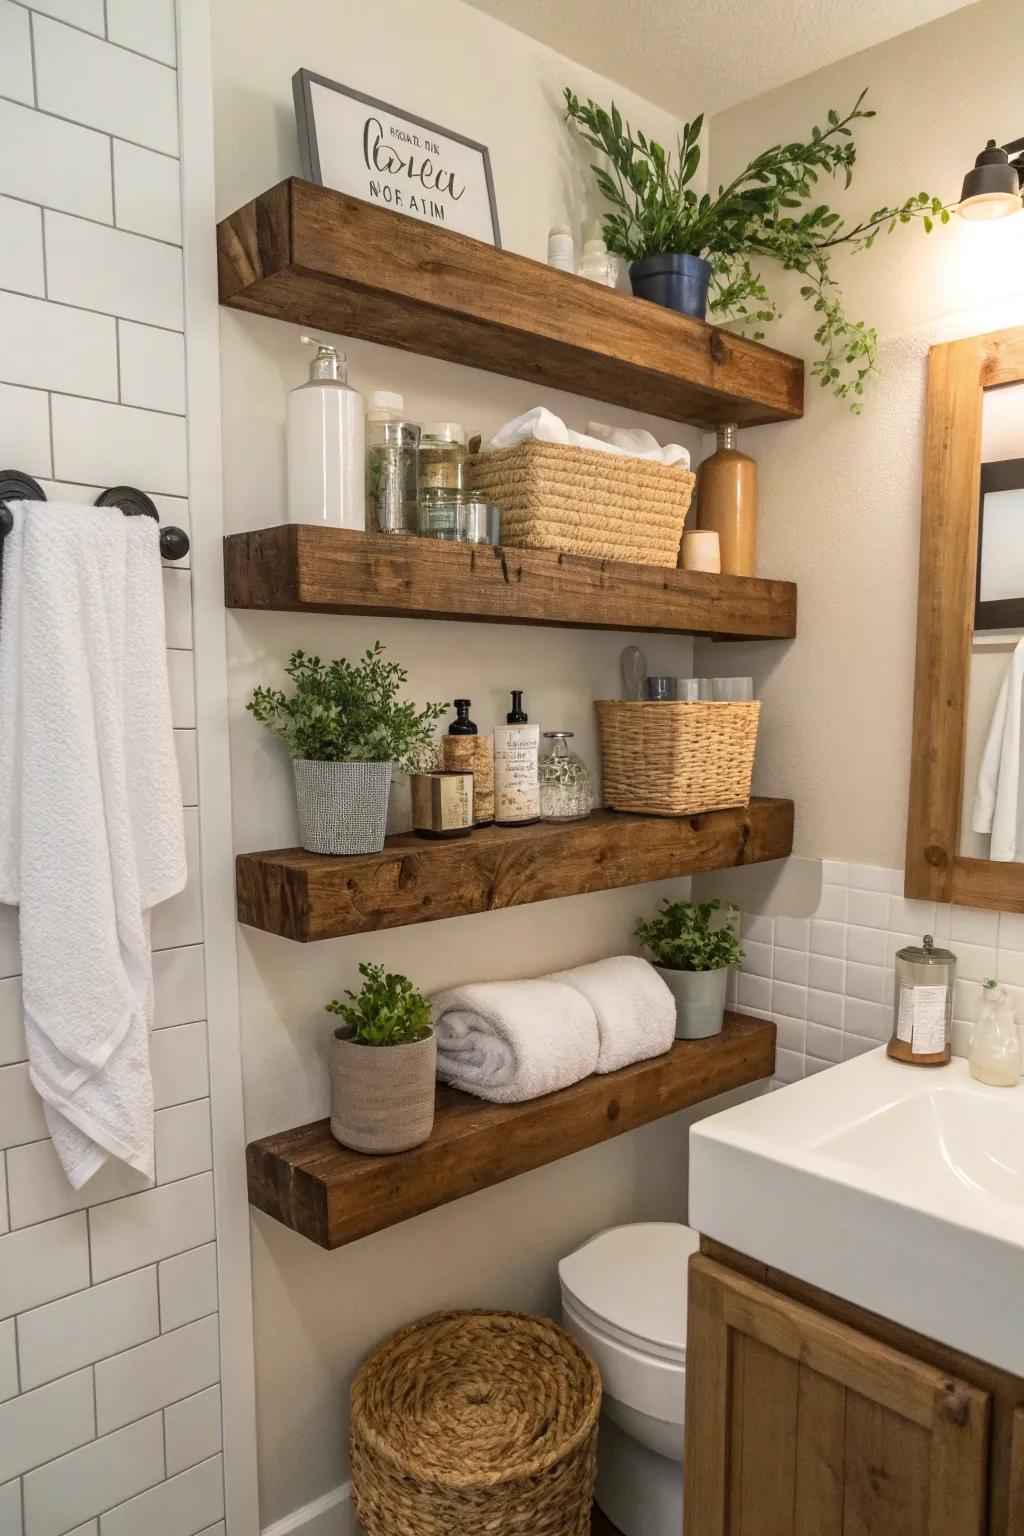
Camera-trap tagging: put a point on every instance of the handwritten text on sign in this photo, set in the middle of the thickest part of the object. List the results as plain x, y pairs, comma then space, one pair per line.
382, 157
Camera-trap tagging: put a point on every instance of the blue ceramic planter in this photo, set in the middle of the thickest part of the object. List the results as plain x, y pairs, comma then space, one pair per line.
677, 282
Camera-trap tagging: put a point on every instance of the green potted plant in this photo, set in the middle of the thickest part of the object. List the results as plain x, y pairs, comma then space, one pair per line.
693, 944
346, 731
679, 244
383, 1065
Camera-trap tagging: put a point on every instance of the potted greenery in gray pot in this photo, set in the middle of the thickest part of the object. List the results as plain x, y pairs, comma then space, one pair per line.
346, 731
692, 948
383, 1065
680, 243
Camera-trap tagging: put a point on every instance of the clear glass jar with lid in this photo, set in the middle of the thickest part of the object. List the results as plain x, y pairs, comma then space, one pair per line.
564, 780
392, 465
923, 1017
442, 460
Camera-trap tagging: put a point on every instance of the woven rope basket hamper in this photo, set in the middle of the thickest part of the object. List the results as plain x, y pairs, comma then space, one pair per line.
676, 759
584, 502
475, 1424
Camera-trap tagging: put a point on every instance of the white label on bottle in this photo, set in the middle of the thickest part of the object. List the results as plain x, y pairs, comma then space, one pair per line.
921, 1022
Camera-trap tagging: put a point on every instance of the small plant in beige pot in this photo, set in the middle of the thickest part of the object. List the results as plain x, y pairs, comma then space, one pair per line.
383, 1065
693, 944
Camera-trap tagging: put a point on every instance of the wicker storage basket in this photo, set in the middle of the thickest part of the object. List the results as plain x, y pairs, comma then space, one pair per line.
668, 759
584, 502
475, 1424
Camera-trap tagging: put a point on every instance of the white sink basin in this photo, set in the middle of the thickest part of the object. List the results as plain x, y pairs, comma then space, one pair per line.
899, 1188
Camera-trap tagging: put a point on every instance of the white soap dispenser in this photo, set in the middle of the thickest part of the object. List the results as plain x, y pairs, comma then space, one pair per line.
994, 1054
326, 454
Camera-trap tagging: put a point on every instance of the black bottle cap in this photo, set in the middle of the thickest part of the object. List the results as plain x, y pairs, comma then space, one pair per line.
463, 725
517, 715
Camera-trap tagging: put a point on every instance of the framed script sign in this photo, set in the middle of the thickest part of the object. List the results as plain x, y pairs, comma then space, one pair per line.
383, 155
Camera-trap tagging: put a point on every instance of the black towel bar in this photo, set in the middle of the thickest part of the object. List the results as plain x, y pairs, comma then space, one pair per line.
14, 486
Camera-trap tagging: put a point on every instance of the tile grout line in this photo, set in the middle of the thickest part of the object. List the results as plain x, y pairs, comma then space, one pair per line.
60, 21
32, 59
150, 410
73, 122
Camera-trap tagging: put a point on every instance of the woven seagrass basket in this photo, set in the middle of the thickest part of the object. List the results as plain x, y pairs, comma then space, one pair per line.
475, 1424
676, 759
584, 502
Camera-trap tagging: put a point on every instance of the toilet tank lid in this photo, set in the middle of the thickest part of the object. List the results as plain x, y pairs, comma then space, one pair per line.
634, 1278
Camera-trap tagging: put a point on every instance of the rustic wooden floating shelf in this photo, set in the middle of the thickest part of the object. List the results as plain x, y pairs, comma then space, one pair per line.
305, 568
324, 260
307, 896
304, 1179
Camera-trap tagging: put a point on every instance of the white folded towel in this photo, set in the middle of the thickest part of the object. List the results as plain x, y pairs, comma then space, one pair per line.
543, 426
635, 1010
91, 833
507, 1041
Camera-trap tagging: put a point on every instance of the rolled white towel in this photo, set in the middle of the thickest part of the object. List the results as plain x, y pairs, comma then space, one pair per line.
508, 1041
635, 1010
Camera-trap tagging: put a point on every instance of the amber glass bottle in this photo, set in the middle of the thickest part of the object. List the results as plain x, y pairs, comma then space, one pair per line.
727, 503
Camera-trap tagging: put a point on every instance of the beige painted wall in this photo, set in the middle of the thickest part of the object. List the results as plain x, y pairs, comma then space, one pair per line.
317, 1314
840, 496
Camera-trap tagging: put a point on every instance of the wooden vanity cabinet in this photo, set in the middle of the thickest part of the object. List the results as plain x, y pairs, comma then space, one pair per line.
806, 1416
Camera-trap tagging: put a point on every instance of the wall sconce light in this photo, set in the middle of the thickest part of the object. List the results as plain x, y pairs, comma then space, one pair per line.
993, 189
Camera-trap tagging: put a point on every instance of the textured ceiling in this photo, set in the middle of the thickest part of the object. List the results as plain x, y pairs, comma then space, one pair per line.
706, 55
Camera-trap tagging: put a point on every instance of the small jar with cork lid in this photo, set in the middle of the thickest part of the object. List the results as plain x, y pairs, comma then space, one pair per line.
923, 1009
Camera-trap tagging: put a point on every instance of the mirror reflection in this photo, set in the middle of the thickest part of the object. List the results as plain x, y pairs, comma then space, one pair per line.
993, 793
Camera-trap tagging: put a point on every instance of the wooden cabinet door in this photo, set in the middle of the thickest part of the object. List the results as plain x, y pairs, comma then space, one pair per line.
797, 1425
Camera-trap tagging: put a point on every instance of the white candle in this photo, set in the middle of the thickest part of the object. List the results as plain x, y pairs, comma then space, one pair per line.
701, 551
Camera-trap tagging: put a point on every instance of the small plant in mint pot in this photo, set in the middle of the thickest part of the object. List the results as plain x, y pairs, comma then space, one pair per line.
347, 730
693, 944
383, 1065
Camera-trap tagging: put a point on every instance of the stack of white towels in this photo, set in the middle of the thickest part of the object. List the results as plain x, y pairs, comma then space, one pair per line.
508, 1041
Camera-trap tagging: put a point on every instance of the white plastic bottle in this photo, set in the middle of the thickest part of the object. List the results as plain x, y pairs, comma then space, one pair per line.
994, 1054
595, 263
561, 248
326, 454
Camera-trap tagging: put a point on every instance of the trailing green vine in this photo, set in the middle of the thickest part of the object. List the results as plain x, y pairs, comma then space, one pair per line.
767, 213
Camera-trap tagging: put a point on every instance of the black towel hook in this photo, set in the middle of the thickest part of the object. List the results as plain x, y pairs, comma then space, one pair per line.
15, 486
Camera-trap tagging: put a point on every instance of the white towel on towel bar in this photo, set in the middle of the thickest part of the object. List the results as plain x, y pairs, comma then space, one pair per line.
91, 834
634, 1008
507, 1041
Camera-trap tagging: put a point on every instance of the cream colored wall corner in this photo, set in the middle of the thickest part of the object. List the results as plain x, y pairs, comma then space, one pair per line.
840, 496
319, 1314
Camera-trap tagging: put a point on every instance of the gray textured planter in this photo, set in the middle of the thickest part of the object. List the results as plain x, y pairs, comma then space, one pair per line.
700, 1000
343, 807
382, 1096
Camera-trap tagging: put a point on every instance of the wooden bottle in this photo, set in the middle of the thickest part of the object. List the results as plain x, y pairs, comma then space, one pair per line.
727, 503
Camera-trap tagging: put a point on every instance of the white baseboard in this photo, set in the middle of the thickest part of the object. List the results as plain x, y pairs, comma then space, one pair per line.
330, 1515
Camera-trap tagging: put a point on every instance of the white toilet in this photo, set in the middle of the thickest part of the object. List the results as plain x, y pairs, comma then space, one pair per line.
624, 1299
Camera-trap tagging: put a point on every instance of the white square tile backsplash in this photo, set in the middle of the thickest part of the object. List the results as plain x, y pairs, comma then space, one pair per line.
848, 947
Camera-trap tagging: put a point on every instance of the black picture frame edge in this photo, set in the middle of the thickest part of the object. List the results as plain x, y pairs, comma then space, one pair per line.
309, 152
1003, 612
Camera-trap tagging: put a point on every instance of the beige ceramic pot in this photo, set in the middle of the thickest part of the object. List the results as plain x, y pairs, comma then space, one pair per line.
382, 1096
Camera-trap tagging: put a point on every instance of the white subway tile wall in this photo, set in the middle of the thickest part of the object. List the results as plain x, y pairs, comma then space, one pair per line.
828, 981
110, 1419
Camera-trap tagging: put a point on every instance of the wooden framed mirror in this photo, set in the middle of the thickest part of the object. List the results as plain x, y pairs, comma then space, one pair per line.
963, 735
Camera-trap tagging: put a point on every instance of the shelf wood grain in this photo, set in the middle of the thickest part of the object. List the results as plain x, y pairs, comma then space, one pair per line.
299, 567
308, 896
323, 260
332, 1196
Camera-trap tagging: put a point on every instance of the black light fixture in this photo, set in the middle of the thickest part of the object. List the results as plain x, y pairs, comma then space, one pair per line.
993, 189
